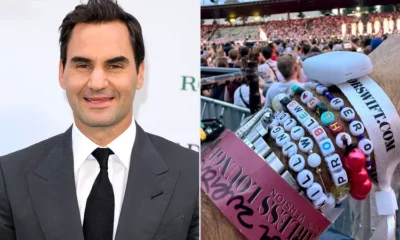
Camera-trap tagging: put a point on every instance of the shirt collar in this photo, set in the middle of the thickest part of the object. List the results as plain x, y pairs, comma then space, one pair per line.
122, 146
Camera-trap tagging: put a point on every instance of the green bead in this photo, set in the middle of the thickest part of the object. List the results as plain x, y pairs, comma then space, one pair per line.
201, 125
298, 90
294, 87
320, 108
327, 117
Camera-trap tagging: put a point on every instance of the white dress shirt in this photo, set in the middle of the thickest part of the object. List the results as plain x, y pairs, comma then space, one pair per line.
86, 167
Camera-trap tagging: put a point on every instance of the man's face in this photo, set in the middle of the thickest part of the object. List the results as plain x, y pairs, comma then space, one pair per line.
100, 76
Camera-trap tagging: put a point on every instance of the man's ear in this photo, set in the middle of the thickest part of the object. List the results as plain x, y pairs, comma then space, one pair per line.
61, 75
140, 79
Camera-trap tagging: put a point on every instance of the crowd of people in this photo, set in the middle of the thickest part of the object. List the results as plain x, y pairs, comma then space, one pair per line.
207, 31
279, 62
295, 28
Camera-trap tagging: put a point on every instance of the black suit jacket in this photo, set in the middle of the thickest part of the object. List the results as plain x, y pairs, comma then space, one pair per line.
38, 196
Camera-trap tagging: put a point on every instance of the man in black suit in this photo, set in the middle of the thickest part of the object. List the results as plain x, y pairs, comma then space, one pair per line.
105, 177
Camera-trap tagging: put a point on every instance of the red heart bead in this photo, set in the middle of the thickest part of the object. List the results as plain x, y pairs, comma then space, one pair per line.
355, 160
358, 177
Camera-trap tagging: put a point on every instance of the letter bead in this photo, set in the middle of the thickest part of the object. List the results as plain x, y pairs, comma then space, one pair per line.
320, 89
319, 134
329, 203
310, 124
313, 103
306, 96
314, 191
356, 128
314, 160
326, 147
289, 124
305, 178
336, 127
327, 117
334, 163
366, 146
289, 149
340, 178
303, 117
283, 117
297, 163
341, 137
337, 103
347, 114
297, 132
282, 139
292, 105
306, 144
276, 131
320, 202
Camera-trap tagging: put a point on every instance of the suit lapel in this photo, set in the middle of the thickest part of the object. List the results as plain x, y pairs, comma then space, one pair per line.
52, 189
148, 191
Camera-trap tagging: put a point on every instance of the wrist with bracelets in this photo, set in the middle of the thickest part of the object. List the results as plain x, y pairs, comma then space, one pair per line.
354, 158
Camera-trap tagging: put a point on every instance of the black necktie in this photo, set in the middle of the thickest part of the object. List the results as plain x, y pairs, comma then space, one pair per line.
98, 222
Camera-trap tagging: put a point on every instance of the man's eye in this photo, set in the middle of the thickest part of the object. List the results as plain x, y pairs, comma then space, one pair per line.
83, 66
114, 66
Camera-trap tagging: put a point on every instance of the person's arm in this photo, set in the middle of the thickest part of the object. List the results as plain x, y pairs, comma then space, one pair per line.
268, 102
193, 233
227, 98
7, 229
261, 83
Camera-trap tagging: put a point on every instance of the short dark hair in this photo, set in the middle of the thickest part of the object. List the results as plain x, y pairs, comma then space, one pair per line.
330, 44
101, 11
314, 41
306, 48
315, 49
266, 52
244, 51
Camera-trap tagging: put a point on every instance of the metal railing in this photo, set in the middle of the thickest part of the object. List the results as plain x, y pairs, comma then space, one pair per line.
230, 115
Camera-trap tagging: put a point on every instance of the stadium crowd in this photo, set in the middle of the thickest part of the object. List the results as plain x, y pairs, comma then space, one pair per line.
280, 61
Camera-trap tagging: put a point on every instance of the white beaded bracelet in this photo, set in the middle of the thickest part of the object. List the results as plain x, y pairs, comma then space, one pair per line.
304, 178
335, 166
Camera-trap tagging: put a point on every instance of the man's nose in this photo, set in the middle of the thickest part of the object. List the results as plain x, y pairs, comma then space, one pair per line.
98, 79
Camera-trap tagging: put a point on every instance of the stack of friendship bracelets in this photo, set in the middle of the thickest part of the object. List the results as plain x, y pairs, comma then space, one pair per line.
320, 198
356, 157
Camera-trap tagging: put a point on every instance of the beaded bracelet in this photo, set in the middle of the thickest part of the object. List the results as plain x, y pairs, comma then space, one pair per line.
305, 177
356, 127
354, 159
339, 175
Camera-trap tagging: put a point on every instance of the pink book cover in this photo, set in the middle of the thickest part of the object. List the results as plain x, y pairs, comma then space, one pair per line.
255, 198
